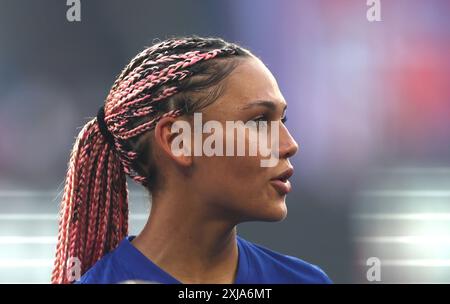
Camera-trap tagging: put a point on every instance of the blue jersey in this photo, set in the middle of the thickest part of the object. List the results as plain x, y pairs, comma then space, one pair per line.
256, 265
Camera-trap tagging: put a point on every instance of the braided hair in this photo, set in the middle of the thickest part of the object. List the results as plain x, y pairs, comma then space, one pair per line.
169, 78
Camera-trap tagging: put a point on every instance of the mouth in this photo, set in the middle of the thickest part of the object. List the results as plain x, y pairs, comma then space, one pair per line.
281, 182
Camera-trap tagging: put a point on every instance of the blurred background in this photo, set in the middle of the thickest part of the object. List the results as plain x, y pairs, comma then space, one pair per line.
369, 104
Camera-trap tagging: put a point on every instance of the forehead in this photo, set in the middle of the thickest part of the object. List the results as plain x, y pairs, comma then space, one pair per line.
251, 80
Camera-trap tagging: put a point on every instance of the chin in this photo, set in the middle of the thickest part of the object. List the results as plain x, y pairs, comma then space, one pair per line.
275, 213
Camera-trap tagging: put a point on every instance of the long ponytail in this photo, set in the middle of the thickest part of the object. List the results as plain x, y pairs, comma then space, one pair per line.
94, 207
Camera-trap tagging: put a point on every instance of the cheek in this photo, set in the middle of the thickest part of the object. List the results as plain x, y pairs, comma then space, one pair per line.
246, 173
245, 180
236, 170
237, 180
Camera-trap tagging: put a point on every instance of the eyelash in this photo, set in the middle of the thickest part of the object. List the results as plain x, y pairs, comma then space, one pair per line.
264, 118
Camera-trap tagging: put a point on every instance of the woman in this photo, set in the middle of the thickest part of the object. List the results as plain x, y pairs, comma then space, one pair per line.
197, 199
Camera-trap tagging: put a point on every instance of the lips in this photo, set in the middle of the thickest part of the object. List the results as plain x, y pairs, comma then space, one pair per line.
281, 182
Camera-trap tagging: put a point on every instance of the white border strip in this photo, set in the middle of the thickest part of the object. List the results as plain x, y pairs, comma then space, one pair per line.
412, 263
412, 240
406, 193
8, 240
26, 263
403, 216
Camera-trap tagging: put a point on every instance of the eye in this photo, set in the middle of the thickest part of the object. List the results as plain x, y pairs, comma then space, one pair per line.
284, 119
260, 118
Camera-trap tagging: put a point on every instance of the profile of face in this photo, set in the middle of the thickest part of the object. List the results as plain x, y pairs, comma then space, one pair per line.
238, 187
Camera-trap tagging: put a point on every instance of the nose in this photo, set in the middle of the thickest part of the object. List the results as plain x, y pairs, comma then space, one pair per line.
288, 145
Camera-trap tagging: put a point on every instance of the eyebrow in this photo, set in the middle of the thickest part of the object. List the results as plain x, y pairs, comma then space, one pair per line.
265, 103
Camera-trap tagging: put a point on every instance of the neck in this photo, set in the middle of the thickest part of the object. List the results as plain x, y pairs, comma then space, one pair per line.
184, 240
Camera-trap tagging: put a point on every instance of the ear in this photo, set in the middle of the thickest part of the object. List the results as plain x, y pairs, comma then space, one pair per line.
169, 138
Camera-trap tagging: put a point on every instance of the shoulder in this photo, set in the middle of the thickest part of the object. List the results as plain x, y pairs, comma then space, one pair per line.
283, 268
99, 273
108, 270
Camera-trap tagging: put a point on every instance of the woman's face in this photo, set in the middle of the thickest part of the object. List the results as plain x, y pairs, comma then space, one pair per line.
239, 186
